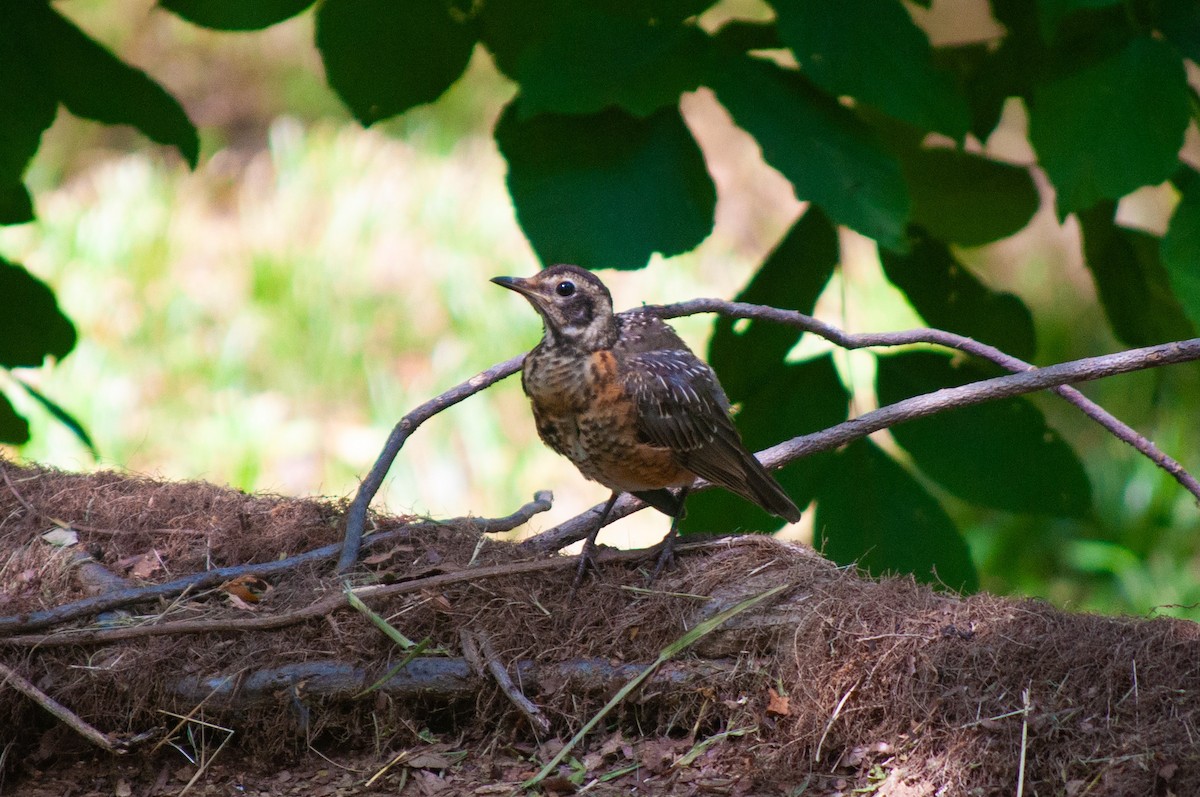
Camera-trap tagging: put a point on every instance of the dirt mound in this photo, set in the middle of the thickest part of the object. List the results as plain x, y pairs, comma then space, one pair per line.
186, 615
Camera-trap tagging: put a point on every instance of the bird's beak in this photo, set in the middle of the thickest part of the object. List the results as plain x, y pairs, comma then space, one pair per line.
518, 284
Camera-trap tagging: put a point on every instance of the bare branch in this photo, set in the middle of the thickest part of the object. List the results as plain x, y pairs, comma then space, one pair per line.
576, 528
334, 601
476, 642
847, 340
209, 578
356, 517
948, 398
64, 714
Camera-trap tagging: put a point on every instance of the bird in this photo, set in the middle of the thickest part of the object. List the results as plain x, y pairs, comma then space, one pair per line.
630, 405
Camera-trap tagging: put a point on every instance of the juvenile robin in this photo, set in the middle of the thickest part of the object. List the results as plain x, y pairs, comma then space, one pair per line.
625, 399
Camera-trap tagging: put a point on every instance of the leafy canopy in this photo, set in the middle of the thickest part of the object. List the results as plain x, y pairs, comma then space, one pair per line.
873, 125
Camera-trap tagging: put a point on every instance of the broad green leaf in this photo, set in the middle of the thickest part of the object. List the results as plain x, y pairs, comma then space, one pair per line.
589, 61
743, 36
656, 11
1133, 285
13, 428
93, 83
797, 399
16, 207
1111, 127
609, 189
1052, 12
1010, 70
873, 51
235, 14
384, 57
31, 326
747, 353
1000, 454
27, 107
830, 156
870, 511
61, 415
968, 199
1180, 252
1179, 22
949, 297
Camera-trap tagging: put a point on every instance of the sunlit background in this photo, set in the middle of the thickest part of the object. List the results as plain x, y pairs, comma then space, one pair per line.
263, 321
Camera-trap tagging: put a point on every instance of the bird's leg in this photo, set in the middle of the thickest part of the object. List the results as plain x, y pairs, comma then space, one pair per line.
589, 545
666, 548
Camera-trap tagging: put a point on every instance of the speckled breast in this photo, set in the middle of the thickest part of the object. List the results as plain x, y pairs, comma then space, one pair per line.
582, 411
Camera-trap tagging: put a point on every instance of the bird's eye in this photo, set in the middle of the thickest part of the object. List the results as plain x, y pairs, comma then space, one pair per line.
565, 288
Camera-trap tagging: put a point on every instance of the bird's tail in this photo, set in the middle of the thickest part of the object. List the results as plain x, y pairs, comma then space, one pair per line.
768, 493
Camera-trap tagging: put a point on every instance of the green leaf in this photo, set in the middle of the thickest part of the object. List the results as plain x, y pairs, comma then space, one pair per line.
1111, 127
949, 297
94, 84
31, 326
830, 156
1000, 454
589, 61
235, 14
872, 50
870, 511
383, 57
16, 207
1179, 22
13, 428
1180, 252
1010, 70
1052, 12
62, 416
746, 353
1133, 285
771, 414
26, 105
609, 189
968, 199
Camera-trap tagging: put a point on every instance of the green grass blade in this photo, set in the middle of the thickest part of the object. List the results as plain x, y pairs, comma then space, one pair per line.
383, 625
690, 638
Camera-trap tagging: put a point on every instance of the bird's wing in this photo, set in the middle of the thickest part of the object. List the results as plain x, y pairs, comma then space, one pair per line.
681, 406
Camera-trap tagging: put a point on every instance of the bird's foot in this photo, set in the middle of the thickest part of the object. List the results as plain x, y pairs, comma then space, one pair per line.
666, 556
587, 561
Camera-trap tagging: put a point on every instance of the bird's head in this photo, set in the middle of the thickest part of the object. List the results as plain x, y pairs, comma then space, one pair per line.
575, 306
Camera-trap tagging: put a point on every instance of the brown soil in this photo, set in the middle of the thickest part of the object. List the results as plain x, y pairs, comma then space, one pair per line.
838, 684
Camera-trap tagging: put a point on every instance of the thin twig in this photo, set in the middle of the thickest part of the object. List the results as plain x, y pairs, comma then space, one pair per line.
64, 714
475, 643
999, 387
17, 493
124, 597
356, 516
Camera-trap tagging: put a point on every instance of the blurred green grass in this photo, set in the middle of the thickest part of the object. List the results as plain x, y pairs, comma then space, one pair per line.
265, 320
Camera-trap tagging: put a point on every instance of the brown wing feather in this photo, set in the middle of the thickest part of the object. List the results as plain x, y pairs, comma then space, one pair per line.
681, 406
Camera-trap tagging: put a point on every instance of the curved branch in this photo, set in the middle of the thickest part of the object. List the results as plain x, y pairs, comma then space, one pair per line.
948, 398
356, 517
848, 340
576, 528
